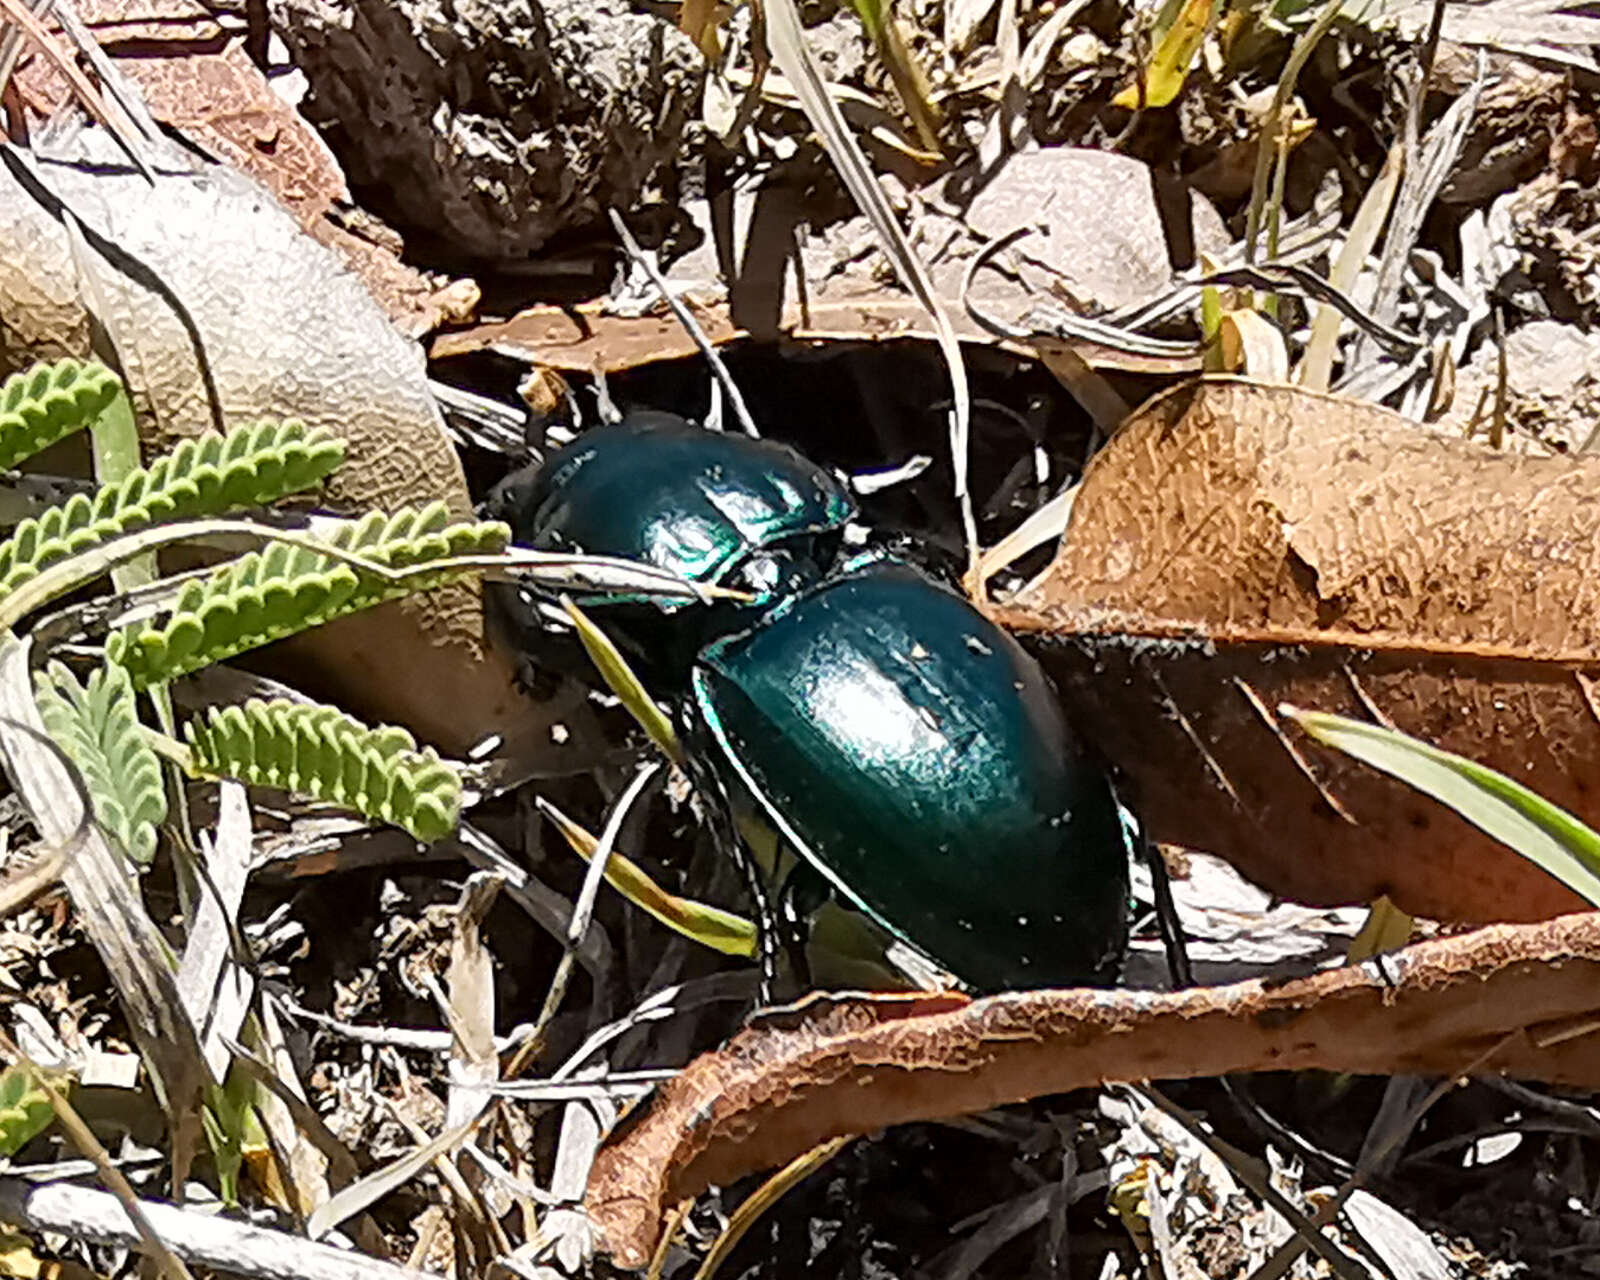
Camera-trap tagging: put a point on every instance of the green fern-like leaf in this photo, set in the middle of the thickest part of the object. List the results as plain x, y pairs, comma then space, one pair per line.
48, 402
321, 752
249, 466
98, 727
266, 595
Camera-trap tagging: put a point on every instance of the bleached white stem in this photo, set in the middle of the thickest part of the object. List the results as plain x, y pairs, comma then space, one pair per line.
211, 1241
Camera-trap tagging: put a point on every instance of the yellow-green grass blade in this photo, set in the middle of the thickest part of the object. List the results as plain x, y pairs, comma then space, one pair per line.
710, 926
619, 676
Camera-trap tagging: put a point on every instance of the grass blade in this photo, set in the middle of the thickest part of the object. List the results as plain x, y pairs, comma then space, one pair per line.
787, 42
620, 679
1543, 833
698, 921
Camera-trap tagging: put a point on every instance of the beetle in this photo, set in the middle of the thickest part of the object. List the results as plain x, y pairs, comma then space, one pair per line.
718, 510
907, 749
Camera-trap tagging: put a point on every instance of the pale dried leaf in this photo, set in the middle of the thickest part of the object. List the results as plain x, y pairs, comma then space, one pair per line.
1403, 1246
474, 1063
1561, 30
216, 989
365, 1192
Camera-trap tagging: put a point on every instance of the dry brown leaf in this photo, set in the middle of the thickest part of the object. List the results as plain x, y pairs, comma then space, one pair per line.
587, 339
1238, 546
192, 72
1513, 999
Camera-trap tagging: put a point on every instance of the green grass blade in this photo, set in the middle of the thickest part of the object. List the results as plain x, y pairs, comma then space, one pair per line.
1545, 834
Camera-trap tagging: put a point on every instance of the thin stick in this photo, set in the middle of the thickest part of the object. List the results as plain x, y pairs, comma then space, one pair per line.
691, 326
202, 1238
581, 913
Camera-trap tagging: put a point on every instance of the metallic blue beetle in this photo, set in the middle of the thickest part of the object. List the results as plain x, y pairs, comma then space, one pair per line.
907, 749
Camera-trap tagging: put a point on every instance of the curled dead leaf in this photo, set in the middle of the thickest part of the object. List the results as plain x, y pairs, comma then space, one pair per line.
1238, 546
1514, 999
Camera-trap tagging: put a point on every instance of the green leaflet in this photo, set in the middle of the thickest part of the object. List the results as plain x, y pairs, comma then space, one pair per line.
320, 752
25, 1110
48, 402
266, 595
98, 727
250, 466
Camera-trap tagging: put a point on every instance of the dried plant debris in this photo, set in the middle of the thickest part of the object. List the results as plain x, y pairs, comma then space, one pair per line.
1548, 29
1097, 242
1540, 231
1233, 929
1551, 400
191, 65
1519, 113
1501, 1000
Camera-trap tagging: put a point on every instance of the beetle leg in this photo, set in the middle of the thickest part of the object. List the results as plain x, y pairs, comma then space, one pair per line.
794, 920
1172, 939
719, 817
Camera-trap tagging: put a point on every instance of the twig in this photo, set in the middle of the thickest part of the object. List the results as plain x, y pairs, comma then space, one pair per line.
201, 1238
1119, 330
543, 905
145, 1235
412, 1039
691, 326
1286, 1256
